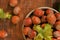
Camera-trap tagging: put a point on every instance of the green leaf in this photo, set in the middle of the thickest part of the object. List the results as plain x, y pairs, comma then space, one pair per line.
1, 13
59, 8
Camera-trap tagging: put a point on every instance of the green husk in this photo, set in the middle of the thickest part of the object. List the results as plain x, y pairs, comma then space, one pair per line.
4, 15
38, 37
48, 32
45, 33
8, 15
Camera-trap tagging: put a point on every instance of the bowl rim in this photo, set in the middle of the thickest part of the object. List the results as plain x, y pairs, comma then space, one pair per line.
31, 13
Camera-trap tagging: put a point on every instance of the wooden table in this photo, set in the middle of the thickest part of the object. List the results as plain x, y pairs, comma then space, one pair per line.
15, 31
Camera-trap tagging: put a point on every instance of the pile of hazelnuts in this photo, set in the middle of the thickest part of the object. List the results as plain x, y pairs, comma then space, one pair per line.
16, 11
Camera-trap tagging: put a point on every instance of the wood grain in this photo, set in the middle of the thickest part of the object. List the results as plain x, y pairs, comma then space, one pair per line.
15, 31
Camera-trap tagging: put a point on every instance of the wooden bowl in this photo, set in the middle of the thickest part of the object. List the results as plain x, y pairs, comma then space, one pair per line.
32, 12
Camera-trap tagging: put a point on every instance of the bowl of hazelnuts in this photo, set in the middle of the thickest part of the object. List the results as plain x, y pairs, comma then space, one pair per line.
42, 23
